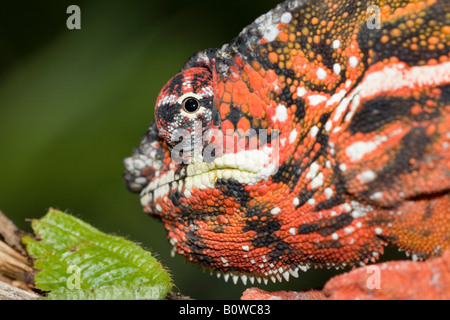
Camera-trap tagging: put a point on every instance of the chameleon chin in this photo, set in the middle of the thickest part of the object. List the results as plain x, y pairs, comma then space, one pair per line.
362, 115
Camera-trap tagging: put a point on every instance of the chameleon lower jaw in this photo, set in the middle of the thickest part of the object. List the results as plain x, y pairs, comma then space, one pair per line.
273, 275
259, 278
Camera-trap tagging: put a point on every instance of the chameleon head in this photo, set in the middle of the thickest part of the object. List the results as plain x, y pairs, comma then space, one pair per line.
208, 168
210, 188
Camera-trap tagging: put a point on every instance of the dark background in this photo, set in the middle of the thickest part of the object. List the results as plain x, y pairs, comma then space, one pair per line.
73, 104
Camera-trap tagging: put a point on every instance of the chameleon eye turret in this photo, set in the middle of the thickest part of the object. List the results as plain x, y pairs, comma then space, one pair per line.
362, 120
186, 102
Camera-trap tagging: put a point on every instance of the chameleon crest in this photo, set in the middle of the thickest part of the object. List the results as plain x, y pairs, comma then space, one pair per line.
314, 138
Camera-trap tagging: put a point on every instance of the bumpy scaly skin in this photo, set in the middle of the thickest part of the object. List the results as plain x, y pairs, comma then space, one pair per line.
362, 118
399, 280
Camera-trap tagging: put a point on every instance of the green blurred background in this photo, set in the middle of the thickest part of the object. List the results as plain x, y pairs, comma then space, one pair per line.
73, 104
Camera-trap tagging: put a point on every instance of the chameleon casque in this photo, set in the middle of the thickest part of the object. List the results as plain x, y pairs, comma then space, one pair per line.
316, 137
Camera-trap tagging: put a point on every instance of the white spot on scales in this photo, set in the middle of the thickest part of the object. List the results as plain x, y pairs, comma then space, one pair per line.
353, 61
336, 44
321, 74
314, 131
275, 211
280, 113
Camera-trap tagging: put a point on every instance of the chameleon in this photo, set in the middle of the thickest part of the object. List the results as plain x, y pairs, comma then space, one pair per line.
316, 137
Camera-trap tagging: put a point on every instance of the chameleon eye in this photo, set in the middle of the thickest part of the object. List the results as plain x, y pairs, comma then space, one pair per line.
191, 105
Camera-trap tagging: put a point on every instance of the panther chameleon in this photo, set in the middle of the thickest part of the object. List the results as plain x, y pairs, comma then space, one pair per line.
316, 137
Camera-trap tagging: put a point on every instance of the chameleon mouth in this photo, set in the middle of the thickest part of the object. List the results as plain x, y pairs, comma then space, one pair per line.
247, 167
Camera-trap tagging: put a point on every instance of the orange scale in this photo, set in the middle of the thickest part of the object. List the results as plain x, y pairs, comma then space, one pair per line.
255, 65
273, 57
222, 219
271, 76
288, 64
283, 36
317, 147
254, 80
244, 76
243, 124
280, 26
240, 93
220, 89
229, 87
239, 62
234, 73
227, 125
244, 108
228, 202
256, 106
226, 97
431, 129
224, 110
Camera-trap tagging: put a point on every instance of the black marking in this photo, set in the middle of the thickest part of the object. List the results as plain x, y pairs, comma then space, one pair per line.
175, 84
282, 249
339, 186
300, 112
327, 227
197, 246
235, 115
286, 98
329, 203
326, 52
328, 245
175, 196
366, 36
412, 146
290, 171
233, 189
378, 112
199, 80
265, 236
304, 196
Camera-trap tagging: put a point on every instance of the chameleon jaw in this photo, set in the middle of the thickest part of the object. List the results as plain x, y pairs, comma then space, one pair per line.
246, 167
273, 274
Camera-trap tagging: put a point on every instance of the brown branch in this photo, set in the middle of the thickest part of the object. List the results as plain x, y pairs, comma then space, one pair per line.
16, 270
11, 234
9, 292
14, 266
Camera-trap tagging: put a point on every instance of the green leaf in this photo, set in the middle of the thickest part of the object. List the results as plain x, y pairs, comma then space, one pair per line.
133, 292
77, 261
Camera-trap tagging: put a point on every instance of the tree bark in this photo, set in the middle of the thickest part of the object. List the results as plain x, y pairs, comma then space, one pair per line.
11, 235
16, 270
10, 292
